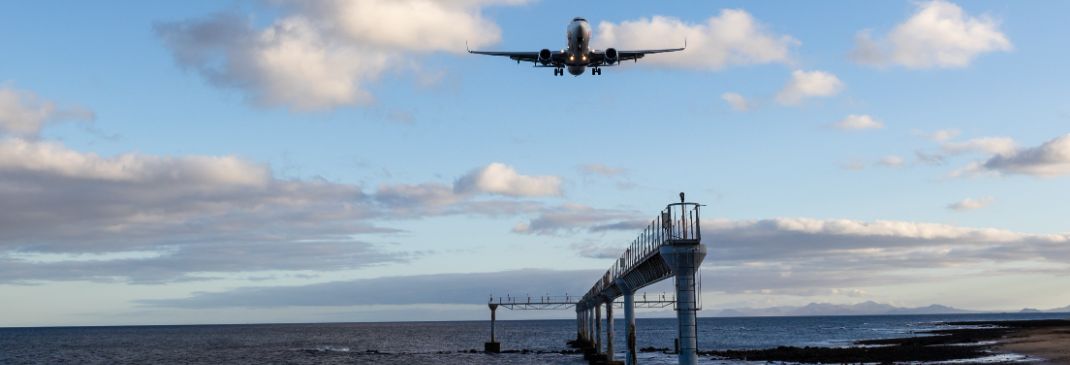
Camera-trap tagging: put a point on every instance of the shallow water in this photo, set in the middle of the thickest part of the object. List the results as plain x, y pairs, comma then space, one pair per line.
432, 342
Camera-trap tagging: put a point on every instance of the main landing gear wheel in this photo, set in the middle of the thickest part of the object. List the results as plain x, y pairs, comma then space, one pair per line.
559, 71
596, 71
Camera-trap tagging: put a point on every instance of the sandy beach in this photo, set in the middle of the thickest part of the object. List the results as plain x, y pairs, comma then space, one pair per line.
1051, 344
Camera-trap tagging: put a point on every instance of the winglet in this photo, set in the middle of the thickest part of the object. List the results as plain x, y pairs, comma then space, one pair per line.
470, 50
685, 42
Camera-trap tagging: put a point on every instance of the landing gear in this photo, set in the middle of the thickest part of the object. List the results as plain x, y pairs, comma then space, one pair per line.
559, 71
596, 71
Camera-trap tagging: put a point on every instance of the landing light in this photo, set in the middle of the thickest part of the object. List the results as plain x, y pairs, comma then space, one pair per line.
571, 58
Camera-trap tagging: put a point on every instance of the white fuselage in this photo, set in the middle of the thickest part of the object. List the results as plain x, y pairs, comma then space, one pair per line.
579, 40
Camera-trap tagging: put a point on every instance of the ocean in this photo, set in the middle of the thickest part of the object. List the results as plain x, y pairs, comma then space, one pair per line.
435, 342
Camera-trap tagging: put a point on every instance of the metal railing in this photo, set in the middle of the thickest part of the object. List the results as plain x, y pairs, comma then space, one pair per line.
660, 300
677, 222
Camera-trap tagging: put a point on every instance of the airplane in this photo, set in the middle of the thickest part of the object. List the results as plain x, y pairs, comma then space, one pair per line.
578, 56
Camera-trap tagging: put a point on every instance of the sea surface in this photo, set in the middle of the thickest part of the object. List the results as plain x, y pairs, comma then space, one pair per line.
435, 342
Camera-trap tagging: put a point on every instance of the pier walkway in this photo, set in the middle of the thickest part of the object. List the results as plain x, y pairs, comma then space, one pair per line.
670, 246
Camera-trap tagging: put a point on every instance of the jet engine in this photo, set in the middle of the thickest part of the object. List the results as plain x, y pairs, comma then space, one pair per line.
545, 57
611, 56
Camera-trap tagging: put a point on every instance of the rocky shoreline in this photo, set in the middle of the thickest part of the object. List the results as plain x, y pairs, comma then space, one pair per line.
983, 339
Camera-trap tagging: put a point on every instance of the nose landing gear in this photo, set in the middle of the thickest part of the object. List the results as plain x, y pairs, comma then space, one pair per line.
596, 71
559, 71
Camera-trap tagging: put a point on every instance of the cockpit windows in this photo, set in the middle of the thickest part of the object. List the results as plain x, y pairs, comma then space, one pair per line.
579, 19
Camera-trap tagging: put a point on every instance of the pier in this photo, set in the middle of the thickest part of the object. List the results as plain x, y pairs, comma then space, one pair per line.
670, 246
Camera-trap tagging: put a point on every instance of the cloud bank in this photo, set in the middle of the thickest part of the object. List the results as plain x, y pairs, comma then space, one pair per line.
70, 215
779, 256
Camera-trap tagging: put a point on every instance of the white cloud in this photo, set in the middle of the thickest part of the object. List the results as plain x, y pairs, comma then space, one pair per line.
602, 170
502, 179
970, 204
939, 34
412, 25
23, 113
1049, 159
941, 135
807, 84
733, 37
858, 122
736, 101
52, 159
989, 145
891, 161
325, 54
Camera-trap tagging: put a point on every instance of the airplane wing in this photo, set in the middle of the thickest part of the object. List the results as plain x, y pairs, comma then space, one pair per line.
635, 55
519, 56
556, 57
600, 57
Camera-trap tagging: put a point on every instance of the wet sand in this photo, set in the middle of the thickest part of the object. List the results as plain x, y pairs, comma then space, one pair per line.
1051, 344
1045, 339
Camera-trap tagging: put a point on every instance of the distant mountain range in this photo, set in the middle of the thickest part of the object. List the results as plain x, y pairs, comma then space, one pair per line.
1065, 309
864, 308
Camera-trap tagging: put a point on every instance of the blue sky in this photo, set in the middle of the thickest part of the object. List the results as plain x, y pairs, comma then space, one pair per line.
164, 163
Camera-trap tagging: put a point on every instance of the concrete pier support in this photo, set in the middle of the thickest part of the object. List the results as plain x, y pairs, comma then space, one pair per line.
598, 328
629, 326
590, 324
579, 325
492, 346
629, 320
609, 330
586, 333
684, 258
